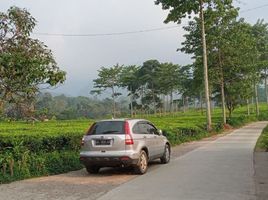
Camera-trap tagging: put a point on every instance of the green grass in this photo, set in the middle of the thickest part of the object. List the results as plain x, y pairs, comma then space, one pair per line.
44, 148
262, 143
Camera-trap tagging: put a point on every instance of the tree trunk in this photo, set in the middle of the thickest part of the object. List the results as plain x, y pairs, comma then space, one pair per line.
222, 92
223, 102
171, 102
164, 104
205, 66
211, 102
154, 103
187, 103
183, 103
256, 100
113, 94
252, 102
266, 88
248, 108
201, 103
131, 104
1, 107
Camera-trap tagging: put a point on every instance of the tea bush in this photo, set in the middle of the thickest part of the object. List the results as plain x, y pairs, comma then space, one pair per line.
44, 148
28, 150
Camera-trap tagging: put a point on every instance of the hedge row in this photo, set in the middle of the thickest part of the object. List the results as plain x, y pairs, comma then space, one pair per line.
26, 164
30, 155
41, 142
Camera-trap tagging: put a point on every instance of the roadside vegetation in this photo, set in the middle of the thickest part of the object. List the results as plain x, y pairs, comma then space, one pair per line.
52, 147
262, 143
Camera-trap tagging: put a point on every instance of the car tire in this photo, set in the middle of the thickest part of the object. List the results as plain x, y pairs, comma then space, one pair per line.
93, 169
166, 156
142, 165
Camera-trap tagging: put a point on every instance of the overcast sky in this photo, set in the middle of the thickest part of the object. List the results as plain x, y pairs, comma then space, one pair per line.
81, 57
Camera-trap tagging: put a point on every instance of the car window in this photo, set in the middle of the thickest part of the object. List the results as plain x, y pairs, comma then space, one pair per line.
107, 127
136, 129
143, 128
151, 129
140, 128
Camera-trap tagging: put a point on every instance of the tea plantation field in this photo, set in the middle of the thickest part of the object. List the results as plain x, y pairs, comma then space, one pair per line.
44, 148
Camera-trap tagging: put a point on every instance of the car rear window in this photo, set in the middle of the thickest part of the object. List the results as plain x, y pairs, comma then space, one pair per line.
107, 127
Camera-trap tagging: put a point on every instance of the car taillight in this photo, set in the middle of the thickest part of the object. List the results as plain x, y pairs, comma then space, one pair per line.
128, 139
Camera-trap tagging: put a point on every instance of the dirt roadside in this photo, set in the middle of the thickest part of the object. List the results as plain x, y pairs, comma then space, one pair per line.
79, 184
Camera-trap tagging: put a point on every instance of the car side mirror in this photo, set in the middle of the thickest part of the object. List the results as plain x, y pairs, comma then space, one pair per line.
160, 132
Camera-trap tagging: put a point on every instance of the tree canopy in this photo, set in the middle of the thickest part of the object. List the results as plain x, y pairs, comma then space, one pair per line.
25, 63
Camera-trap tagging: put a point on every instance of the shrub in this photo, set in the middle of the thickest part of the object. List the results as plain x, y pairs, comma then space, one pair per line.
240, 120
32, 165
262, 143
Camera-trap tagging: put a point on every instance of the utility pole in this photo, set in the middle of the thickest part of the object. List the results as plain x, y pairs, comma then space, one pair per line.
205, 66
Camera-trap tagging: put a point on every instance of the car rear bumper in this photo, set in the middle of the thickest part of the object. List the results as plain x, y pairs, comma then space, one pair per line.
109, 159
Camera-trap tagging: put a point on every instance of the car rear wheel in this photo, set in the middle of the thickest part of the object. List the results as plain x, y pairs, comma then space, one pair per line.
166, 156
142, 165
92, 169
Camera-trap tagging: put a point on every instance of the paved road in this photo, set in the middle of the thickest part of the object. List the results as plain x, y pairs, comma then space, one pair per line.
220, 170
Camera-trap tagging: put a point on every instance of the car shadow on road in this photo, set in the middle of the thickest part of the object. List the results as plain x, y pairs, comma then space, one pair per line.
112, 171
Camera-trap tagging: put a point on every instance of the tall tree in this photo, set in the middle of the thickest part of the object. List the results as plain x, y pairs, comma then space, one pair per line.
109, 78
25, 63
179, 9
147, 74
260, 32
129, 78
168, 79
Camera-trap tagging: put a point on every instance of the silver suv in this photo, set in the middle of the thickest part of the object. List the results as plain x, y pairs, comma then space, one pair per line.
123, 142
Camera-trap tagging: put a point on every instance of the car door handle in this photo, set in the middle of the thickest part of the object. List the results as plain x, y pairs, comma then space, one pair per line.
144, 137
155, 136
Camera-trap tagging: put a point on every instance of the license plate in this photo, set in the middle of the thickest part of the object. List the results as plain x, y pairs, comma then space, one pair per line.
102, 142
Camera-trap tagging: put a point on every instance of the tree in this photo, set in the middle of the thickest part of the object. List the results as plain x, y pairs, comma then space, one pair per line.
148, 80
260, 32
168, 79
129, 78
231, 49
179, 9
109, 78
25, 63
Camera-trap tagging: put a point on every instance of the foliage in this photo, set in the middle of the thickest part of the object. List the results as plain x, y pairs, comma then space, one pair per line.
109, 78
44, 148
262, 144
62, 107
25, 63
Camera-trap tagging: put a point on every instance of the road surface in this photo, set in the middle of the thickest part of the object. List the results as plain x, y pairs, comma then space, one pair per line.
220, 170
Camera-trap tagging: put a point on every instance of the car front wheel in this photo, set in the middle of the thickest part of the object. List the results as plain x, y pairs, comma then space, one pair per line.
166, 156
